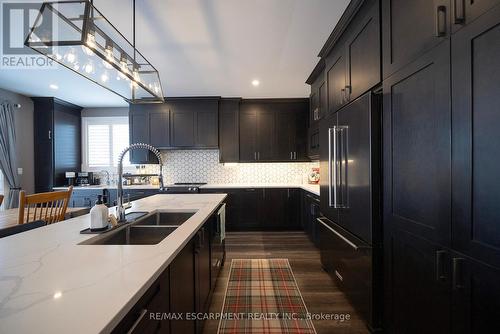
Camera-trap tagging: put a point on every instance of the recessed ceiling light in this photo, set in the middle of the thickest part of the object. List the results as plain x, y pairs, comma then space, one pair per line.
54, 87
255, 82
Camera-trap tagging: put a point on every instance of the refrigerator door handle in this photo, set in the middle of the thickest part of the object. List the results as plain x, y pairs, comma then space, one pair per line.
332, 167
347, 241
345, 156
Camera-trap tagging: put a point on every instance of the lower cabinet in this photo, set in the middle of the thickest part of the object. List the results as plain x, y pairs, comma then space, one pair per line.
257, 209
310, 212
184, 288
430, 289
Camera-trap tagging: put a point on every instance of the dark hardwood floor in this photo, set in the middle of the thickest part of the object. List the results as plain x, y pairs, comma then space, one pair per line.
319, 291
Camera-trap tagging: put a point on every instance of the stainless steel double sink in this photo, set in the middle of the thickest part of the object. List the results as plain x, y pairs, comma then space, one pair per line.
150, 229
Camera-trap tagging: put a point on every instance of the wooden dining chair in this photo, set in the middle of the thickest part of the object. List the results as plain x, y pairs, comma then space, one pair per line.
49, 207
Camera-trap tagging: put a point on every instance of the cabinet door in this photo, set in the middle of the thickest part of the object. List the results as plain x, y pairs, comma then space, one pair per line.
139, 133
207, 129
292, 217
285, 136
476, 297
476, 153
265, 135
410, 28
182, 289
159, 129
465, 11
313, 142
183, 128
248, 135
246, 204
363, 53
229, 140
314, 105
202, 263
273, 209
417, 147
323, 100
336, 80
417, 285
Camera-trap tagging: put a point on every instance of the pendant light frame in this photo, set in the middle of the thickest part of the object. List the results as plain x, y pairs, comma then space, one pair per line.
135, 68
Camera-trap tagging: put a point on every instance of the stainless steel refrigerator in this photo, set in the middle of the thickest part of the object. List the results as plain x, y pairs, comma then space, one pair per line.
350, 229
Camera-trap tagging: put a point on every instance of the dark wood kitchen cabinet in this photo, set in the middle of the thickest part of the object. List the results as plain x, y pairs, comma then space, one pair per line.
57, 139
318, 97
417, 147
280, 209
336, 79
229, 130
411, 28
353, 65
476, 153
183, 288
310, 212
417, 285
464, 12
194, 122
203, 271
273, 130
475, 296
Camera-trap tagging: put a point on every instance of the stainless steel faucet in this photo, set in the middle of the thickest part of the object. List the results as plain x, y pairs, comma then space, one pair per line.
120, 210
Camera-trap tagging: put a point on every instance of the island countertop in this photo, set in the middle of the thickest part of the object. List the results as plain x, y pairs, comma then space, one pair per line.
51, 284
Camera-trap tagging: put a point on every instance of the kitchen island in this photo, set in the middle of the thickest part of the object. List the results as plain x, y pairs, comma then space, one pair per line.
51, 283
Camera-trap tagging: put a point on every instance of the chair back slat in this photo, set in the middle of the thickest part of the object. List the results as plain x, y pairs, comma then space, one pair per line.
50, 207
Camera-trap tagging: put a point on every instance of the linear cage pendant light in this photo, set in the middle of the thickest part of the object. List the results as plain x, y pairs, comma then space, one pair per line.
76, 35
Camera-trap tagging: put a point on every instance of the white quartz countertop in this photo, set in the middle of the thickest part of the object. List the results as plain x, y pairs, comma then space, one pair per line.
51, 284
312, 188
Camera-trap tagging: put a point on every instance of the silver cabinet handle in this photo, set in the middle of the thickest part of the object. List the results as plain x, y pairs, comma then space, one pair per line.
347, 241
440, 21
291, 155
295, 155
50, 134
332, 167
258, 155
459, 12
255, 155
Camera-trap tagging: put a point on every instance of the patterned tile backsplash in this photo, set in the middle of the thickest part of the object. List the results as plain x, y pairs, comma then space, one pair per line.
204, 166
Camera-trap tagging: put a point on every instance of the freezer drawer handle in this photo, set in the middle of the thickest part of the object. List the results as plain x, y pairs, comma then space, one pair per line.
347, 241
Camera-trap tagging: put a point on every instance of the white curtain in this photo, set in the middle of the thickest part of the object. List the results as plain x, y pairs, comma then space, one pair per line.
8, 163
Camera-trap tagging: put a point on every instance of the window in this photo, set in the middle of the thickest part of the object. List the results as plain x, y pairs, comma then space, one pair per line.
104, 138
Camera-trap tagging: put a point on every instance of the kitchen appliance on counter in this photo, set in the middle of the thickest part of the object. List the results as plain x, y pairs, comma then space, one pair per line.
350, 231
183, 188
85, 179
70, 178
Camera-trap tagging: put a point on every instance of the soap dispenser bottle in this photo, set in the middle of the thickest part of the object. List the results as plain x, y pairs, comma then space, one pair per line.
99, 215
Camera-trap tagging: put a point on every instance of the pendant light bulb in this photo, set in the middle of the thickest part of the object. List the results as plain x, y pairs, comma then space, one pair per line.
109, 55
70, 56
104, 77
89, 68
89, 43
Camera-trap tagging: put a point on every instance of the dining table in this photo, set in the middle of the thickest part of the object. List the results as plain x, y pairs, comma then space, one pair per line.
9, 217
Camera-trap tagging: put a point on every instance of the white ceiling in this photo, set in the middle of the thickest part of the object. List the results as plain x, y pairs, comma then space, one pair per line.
206, 47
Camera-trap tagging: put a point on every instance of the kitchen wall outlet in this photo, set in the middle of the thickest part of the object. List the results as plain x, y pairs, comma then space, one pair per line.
19, 171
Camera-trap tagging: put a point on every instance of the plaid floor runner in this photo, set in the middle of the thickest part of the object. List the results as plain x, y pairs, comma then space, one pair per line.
262, 297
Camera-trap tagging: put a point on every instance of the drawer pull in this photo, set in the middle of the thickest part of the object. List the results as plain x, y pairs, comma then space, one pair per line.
347, 241
339, 276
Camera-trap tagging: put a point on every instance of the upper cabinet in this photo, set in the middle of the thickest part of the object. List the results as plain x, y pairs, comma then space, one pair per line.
273, 130
57, 137
229, 148
353, 64
410, 28
179, 123
194, 122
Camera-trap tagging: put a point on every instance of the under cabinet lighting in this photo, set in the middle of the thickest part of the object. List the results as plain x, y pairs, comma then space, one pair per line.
255, 82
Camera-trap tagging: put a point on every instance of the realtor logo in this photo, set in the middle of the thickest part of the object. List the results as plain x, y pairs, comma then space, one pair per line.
17, 20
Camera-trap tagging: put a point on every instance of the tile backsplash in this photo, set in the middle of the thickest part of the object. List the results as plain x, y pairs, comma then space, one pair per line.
204, 166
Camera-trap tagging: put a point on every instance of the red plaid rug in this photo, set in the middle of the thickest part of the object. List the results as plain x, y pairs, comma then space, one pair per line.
262, 297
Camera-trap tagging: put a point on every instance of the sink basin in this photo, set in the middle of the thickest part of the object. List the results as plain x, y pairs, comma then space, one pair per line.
165, 218
135, 235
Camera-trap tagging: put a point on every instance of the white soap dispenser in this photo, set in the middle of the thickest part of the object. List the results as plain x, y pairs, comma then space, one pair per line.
99, 215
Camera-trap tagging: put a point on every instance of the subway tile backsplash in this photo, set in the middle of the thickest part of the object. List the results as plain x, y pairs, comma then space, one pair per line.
204, 166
